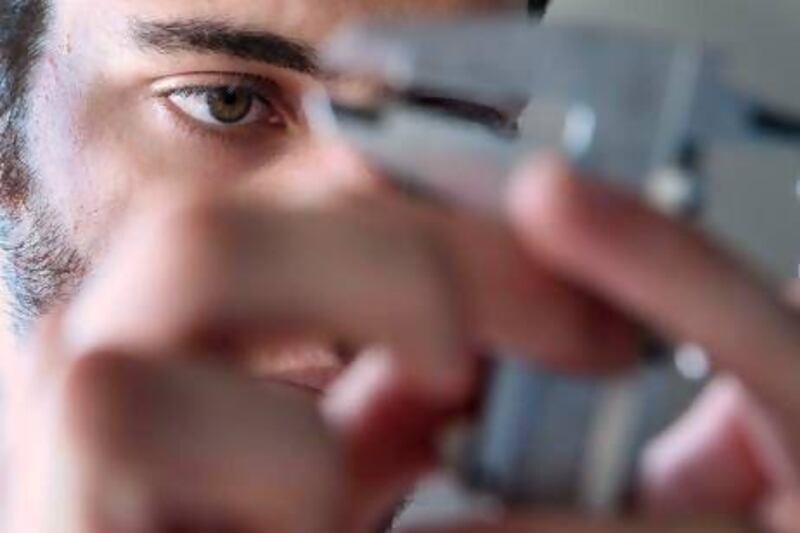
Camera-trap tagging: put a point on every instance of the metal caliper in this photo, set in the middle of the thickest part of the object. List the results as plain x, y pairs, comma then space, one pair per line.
636, 110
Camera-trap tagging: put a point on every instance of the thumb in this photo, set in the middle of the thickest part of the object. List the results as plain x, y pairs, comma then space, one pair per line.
389, 432
708, 461
723, 455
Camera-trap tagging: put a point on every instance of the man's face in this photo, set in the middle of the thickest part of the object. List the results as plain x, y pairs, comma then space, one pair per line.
131, 92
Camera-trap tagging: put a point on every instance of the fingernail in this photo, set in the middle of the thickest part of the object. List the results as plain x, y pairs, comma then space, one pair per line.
370, 372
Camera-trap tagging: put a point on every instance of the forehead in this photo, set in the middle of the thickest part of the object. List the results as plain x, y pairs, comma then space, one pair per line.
309, 20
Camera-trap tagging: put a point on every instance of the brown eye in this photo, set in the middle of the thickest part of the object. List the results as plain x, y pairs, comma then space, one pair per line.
229, 105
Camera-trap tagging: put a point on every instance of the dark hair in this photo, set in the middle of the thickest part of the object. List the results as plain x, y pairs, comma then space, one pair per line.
538, 8
39, 268
22, 25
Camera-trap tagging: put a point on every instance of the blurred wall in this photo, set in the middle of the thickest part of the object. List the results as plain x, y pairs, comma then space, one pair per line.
754, 204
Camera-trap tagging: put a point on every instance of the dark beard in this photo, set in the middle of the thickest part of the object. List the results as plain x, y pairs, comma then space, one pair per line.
41, 268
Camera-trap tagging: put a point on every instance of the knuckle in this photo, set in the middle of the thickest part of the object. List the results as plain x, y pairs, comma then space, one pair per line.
192, 244
170, 234
176, 251
564, 215
199, 224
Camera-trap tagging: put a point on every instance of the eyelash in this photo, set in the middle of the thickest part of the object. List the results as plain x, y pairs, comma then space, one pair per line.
264, 93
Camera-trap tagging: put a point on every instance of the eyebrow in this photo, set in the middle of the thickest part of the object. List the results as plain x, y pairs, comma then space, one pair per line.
211, 37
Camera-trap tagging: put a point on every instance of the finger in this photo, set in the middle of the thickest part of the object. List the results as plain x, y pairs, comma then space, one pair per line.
653, 267
218, 276
710, 461
179, 443
215, 274
514, 302
389, 436
793, 293
573, 524
724, 456
386, 426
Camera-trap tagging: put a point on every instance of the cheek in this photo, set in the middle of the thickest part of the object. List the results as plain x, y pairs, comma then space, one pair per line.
82, 181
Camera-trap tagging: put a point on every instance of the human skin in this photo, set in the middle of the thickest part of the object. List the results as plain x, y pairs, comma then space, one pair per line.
211, 250
101, 131
97, 110
112, 129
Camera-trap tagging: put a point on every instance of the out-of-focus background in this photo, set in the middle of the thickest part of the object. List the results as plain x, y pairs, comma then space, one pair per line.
754, 205
754, 202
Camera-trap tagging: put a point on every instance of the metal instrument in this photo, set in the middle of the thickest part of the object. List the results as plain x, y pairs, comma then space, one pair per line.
636, 110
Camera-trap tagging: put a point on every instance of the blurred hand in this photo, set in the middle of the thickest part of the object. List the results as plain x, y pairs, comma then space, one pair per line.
113, 442
143, 403
735, 458
198, 281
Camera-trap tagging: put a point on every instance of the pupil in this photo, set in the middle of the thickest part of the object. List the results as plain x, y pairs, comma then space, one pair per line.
230, 105
230, 96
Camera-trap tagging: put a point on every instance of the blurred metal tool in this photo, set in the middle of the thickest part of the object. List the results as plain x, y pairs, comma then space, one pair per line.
631, 109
